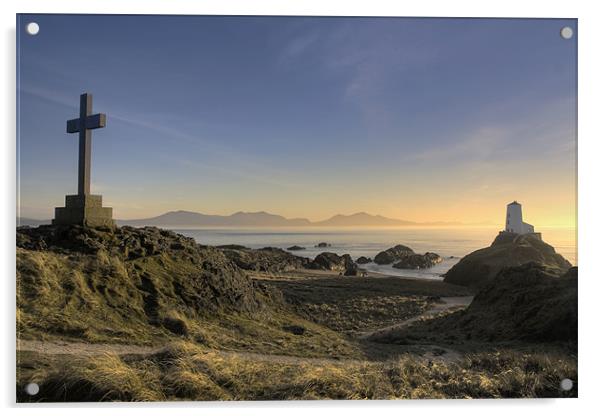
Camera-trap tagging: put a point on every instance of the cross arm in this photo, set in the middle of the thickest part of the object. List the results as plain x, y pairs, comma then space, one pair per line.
95, 121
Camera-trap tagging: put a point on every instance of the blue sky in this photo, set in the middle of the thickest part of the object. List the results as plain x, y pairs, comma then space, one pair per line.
422, 119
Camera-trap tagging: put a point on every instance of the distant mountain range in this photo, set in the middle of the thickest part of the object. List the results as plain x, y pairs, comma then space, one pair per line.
174, 219
183, 219
238, 219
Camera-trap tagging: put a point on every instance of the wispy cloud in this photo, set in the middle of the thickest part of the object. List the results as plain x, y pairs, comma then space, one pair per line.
368, 68
540, 135
482, 144
222, 158
297, 46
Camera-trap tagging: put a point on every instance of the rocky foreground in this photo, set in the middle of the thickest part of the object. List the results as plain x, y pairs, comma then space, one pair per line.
230, 336
126, 281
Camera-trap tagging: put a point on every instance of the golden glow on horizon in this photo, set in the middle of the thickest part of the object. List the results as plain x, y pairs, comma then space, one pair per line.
540, 215
466, 194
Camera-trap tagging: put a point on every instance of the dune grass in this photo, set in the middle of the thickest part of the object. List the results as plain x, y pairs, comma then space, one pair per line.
184, 371
103, 299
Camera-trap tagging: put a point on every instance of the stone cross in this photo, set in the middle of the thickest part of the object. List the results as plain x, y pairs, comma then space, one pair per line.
84, 209
83, 125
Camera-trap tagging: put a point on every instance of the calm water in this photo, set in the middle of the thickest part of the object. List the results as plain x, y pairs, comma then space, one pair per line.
450, 243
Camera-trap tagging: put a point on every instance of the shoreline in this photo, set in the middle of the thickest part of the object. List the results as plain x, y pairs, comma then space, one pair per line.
446, 241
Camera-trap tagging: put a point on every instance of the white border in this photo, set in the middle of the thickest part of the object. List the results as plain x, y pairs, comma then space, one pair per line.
590, 73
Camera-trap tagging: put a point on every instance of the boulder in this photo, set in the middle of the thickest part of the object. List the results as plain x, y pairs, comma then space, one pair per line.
353, 270
294, 329
334, 262
418, 261
363, 260
393, 254
508, 249
175, 325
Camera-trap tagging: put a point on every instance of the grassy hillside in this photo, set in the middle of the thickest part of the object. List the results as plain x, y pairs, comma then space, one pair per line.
528, 303
150, 286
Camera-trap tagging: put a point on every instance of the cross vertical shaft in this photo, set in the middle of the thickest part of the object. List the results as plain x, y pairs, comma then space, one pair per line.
85, 143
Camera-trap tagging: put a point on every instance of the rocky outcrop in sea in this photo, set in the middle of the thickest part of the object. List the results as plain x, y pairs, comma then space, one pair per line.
333, 262
403, 257
363, 260
295, 248
393, 254
322, 245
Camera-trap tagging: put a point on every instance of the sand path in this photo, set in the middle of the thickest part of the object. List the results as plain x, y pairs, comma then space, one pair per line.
447, 303
90, 349
83, 348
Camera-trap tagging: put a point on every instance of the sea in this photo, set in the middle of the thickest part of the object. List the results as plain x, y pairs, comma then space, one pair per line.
452, 243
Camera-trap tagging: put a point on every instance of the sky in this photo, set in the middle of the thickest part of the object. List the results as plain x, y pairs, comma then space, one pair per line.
416, 119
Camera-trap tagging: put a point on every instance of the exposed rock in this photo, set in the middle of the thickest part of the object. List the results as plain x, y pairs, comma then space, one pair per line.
176, 325
295, 248
508, 249
393, 254
294, 329
328, 261
127, 241
334, 262
418, 261
363, 260
322, 245
233, 247
353, 270
268, 259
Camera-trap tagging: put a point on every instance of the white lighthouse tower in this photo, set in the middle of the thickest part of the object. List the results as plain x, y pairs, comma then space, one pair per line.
514, 220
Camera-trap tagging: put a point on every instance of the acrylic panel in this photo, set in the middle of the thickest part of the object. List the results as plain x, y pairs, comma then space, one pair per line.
295, 208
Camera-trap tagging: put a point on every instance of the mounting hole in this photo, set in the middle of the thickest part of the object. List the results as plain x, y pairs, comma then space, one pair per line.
566, 32
32, 389
32, 28
566, 384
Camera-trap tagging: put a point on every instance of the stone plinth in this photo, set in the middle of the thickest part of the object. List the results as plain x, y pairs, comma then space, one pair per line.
86, 210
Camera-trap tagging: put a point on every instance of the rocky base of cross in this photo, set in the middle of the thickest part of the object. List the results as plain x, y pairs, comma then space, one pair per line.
85, 210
